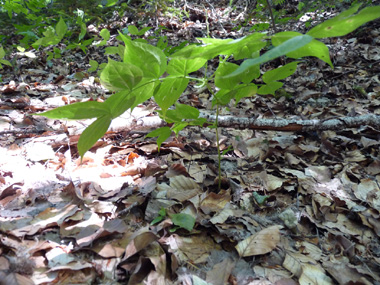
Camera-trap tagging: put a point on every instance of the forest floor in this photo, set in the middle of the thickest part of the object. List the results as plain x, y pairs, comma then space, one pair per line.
295, 207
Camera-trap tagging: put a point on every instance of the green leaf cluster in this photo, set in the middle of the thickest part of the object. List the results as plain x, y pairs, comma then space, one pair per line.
145, 72
52, 36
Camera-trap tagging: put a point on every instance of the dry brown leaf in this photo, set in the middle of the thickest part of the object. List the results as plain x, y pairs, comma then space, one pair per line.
343, 273
306, 268
48, 218
177, 169
220, 272
138, 243
222, 216
14, 279
274, 182
215, 202
196, 248
260, 243
182, 188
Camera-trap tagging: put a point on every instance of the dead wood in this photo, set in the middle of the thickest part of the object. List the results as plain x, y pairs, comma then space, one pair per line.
296, 125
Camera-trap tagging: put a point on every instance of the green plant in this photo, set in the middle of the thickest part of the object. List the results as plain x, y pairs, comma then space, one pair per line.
140, 75
2, 60
180, 220
52, 36
23, 16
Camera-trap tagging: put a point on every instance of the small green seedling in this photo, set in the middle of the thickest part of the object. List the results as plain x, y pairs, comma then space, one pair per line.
180, 220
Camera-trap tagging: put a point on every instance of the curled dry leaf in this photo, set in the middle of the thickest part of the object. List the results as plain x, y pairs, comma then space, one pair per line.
260, 243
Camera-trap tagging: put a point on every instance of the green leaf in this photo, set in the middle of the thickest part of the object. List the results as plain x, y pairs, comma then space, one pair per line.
251, 73
186, 111
170, 116
180, 113
50, 56
3, 61
224, 152
150, 59
161, 216
270, 88
61, 28
206, 51
6, 62
157, 220
46, 41
224, 69
133, 30
249, 50
284, 48
314, 48
83, 30
115, 50
49, 32
111, 3
92, 133
119, 102
78, 111
260, 199
162, 212
163, 134
2, 52
177, 127
223, 97
246, 91
185, 66
260, 27
280, 72
143, 31
174, 229
143, 91
169, 91
182, 220
345, 22
124, 100
105, 34
94, 65
227, 47
119, 76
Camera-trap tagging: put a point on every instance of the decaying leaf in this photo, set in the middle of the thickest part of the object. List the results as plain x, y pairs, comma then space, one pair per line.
182, 188
306, 268
260, 243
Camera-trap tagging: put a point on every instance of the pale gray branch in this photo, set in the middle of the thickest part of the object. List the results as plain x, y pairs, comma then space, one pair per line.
296, 124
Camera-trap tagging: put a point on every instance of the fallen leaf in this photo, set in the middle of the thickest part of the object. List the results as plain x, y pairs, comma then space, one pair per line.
260, 243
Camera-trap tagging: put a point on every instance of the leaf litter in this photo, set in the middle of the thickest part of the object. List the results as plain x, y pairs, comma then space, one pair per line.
295, 207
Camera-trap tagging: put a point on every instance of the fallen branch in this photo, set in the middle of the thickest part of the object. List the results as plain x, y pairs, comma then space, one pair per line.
296, 125
146, 124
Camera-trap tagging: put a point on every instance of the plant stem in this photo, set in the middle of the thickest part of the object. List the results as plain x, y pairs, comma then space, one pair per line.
271, 15
218, 147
